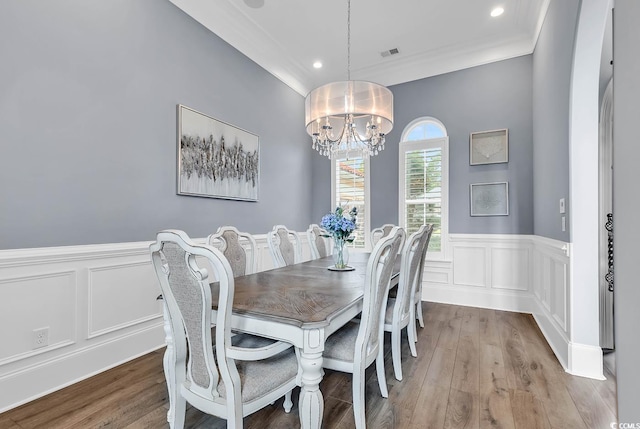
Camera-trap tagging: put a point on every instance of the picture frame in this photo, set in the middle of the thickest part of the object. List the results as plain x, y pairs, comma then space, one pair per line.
489, 199
489, 147
216, 159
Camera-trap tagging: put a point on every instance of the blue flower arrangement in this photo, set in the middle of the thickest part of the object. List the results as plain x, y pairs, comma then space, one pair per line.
340, 226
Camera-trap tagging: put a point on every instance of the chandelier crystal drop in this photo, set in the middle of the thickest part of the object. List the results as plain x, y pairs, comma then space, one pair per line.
349, 115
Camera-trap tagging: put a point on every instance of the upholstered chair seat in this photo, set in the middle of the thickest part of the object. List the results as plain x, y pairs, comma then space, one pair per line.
340, 345
258, 377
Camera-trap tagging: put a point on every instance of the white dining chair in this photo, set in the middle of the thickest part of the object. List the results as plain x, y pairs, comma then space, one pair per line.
378, 233
354, 347
417, 298
400, 311
229, 383
318, 243
239, 248
284, 246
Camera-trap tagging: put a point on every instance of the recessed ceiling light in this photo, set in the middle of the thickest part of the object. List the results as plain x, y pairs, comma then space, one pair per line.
255, 4
317, 65
497, 12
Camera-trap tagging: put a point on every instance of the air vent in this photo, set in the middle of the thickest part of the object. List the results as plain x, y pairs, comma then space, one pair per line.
390, 52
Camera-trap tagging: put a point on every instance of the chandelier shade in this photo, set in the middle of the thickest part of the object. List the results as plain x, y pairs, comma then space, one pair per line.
361, 113
361, 99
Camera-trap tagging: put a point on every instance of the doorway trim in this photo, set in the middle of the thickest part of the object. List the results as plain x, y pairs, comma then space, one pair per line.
585, 356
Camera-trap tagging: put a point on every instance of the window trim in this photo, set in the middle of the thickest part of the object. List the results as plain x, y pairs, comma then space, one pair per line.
367, 195
403, 148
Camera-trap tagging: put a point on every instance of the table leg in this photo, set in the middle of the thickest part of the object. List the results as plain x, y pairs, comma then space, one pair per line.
311, 404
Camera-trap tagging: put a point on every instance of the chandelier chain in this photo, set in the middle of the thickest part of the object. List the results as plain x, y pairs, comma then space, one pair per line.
349, 40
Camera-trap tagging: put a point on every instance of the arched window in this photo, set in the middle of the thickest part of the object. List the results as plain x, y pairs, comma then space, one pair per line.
424, 180
424, 129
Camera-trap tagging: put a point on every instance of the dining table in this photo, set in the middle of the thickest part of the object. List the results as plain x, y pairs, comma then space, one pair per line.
302, 304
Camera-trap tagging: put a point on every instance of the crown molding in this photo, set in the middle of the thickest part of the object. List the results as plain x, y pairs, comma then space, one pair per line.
227, 19
445, 61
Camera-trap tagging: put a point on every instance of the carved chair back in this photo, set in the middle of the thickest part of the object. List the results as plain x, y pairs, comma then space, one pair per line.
284, 246
378, 233
239, 248
319, 245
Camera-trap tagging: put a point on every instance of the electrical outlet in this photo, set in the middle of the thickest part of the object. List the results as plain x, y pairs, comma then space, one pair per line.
40, 337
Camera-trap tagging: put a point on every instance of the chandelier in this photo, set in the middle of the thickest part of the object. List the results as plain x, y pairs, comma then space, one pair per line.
349, 115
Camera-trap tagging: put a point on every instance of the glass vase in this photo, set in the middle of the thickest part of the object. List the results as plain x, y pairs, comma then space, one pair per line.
340, 253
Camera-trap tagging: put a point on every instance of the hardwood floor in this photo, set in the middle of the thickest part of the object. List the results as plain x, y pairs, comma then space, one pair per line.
475, 369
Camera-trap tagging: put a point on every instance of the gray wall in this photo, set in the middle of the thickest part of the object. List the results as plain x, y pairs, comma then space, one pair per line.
488, 97
552, 61
626, 206
88, 94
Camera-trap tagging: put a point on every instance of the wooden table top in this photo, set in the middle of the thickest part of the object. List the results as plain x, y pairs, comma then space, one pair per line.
305, 294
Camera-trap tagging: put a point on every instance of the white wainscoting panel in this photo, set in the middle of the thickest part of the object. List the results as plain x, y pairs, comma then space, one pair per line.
29, 302
551, 281
559, 284
437, 272
486, 270
113, 302
510, 268
537, 276
469, 265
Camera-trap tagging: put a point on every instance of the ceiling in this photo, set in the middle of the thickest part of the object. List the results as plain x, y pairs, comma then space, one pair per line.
286, 37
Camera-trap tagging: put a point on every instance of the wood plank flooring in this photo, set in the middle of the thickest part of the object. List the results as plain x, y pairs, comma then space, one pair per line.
475, 369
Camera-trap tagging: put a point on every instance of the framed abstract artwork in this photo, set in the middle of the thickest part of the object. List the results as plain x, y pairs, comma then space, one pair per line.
489, 199
216, 159
489, 147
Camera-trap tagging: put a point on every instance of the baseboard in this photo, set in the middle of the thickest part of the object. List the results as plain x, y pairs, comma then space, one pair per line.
482, 298
555, 337
585, 361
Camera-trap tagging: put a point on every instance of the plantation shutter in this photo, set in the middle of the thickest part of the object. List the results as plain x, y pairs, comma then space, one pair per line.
423, 192
350, 192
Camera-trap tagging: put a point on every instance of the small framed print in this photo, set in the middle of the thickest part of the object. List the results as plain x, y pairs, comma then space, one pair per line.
489, 199
489, 147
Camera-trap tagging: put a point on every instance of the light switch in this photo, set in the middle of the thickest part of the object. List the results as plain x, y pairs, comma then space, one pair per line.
562, 209
564, 223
